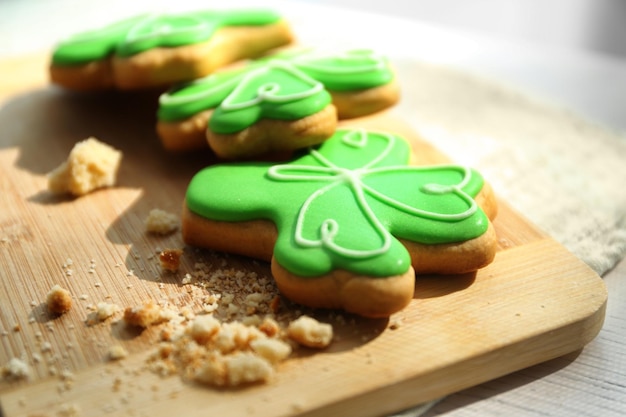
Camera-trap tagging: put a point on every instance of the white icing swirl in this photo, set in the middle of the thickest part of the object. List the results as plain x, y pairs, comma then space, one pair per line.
271, 90
337, 176
372, 61
155, 26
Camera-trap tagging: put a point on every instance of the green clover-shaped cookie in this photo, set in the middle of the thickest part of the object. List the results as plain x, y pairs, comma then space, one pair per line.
346, 204
160, 50
140, 33
285, 87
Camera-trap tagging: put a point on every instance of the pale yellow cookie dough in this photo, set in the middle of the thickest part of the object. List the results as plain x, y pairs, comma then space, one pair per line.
90, 165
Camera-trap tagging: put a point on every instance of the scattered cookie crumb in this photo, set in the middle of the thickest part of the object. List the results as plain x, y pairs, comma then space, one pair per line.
309, 332
117, 352
90, 165
170, 259
272, 350
67, 378
161, 222
395, 323
204, 328
234, 370
234, 339
146, 315
58, 300
15, 369
69, 410
269, 326
105, 310
187, 279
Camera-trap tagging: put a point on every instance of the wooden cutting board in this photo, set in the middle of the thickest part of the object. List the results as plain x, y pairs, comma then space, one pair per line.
534, 303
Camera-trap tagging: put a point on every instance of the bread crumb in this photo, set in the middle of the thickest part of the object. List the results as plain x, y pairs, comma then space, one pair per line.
234, 370
245, 368
58, 300
309, 332
15, 369
269, 326
90, 165
170, 259
161, 222
69, 410
117, 352
144, 316
272, 350
105, 310
204, 328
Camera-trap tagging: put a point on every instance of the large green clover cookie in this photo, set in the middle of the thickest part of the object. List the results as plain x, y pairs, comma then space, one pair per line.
286, 86
345, 204
140, 33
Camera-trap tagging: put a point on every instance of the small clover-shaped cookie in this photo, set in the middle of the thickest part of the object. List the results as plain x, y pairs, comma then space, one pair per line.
348, 223
280, 103
162, 49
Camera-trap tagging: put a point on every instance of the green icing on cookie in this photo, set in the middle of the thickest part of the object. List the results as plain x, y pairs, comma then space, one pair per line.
138, 34
346, 71
276, 91
344, 204
286, 86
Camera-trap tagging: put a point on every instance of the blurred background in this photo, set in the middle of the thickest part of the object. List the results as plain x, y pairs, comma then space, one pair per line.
595, 25
572, 52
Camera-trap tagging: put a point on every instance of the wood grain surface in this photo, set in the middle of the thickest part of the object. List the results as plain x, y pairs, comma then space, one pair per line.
534, 303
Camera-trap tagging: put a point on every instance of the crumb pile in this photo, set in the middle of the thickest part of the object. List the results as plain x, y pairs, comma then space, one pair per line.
238, 336
222, 354
204, 349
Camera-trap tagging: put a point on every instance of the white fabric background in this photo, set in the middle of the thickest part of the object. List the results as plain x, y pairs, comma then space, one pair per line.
565, 174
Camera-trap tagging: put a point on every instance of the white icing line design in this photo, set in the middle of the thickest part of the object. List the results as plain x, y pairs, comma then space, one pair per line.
162, 28
314, 61
337, 176
270, 91
170, 98
291, 64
